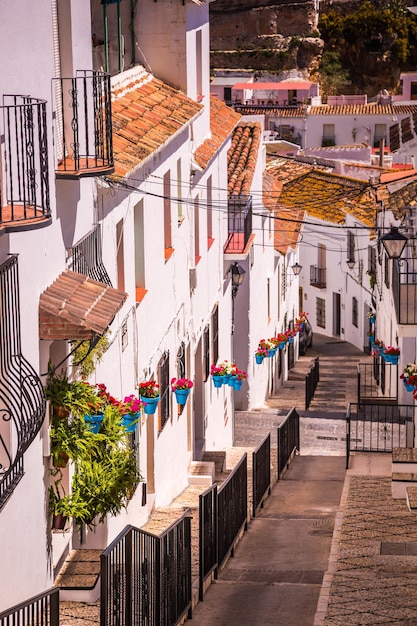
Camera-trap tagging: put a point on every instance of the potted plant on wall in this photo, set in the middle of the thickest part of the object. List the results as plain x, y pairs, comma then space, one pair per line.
149, 394
181, 387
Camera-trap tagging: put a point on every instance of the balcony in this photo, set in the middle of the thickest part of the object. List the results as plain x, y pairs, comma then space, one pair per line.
239, 220
22, 399
83, 131
318, 277
404, 290
24, 177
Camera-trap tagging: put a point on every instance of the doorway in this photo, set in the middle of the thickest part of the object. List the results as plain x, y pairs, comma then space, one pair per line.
336, 314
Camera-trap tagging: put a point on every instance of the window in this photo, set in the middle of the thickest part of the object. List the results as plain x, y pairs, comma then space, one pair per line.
197, 230
215, 334
206, 353
179, 191
167, 216
164, 386
413, 91
321, 312
350, 246
227, 95
380, 132
199, 65
329, 137
355, 312
371, 260
209, 212
181, 361
138, 227
120, 256
386, 271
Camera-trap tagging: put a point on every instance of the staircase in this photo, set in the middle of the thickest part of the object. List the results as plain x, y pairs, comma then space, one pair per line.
335, 391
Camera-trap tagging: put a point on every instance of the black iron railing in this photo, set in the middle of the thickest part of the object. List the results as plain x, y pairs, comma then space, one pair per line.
404, 290
24, 158
378, 427
146, 579
41, 610
86, 257
317, 276
83, 134
261, 473
377, 381
232, 503
208, 536
22, 398
288, 437
312, 380
239, 219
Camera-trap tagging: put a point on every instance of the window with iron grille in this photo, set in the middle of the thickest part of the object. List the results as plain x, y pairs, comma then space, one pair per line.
355, 312
386, 271
215, 334
85, 257
350, 246
372, 260
163, 380
181, 361
321, 312
206, 353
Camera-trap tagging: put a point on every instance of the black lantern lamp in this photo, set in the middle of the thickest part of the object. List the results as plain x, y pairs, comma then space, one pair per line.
238, 275
296, 268
350, 263
394, 243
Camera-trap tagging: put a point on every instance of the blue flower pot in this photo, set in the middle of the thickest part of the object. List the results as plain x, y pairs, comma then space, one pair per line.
372, 319
182, 395
130, 421
237, 384
217, 381
281, 345
408, 387
259, 359
150, 404
231, 381
392, 359
94, 421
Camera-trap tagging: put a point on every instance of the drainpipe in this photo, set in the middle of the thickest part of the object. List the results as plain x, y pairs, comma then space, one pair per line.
132, 31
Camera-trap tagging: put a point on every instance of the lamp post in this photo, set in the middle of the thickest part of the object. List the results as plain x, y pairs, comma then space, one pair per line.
394, 243
296, 269
238, 275
350, 263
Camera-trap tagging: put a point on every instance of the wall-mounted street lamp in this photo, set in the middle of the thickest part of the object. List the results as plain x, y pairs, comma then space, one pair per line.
238, 275
394, 243
296, 269
350, 263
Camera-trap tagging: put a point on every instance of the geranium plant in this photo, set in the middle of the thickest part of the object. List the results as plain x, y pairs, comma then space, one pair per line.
131, 405
261, 352
241, 375
181, 383
267, 344
371, 315
409, 372
391, 350
282, 338
149, 389
301, 317
222, 369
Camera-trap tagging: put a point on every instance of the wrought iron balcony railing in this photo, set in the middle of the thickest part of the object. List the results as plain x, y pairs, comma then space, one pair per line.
239, 219
22, 399
83, 133
86, 257
404, 289
317, 276
24, 178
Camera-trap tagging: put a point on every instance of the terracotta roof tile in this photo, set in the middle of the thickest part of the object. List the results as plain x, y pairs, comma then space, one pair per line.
76, 307
145, 116
362, 109
242, 157
223, 119
271, 110
329, 197
287, 227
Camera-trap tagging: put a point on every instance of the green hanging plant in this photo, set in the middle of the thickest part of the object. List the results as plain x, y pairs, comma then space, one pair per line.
88, 353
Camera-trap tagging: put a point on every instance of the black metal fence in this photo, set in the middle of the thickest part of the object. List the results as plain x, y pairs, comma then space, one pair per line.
312, 380
377, 381
146, 579
261, 473
41, 610
232, 508
288, 438
208, 536
24, 159
239, 220
378, 427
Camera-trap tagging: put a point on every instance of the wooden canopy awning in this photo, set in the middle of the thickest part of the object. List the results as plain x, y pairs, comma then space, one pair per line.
75, 307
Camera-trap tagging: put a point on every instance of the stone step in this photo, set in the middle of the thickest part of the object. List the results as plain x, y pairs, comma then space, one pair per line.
79, 576
216, 457
201, 473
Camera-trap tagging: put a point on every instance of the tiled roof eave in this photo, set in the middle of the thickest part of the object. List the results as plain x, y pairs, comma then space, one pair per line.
158, 150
